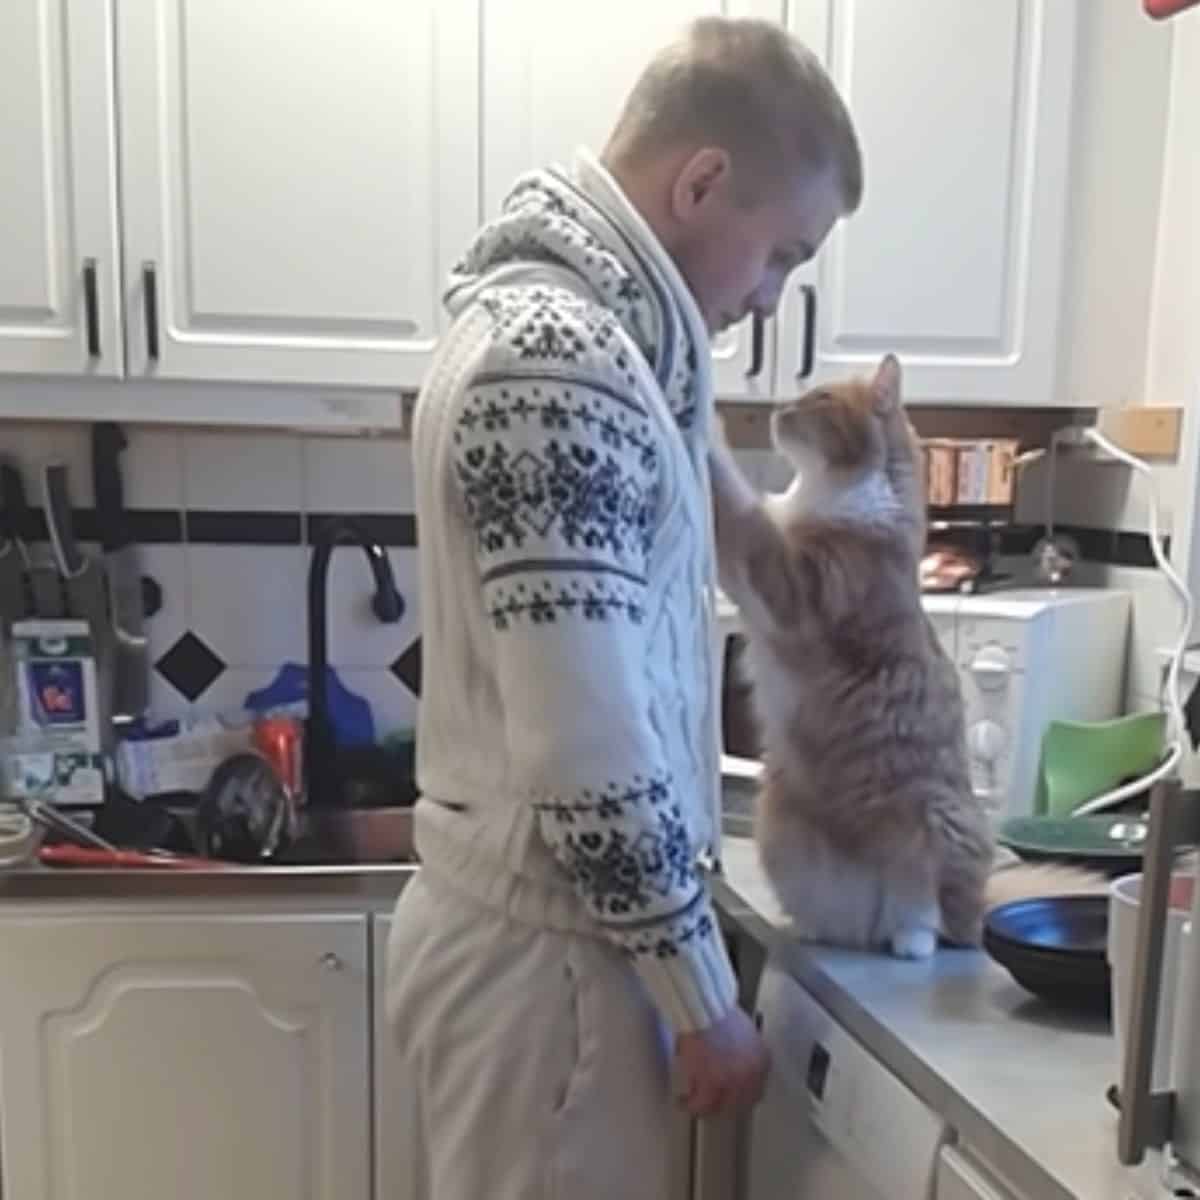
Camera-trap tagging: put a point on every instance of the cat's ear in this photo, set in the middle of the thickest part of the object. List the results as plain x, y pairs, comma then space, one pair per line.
885, 387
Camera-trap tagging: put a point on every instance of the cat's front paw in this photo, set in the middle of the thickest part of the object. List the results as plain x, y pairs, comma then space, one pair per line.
914, 943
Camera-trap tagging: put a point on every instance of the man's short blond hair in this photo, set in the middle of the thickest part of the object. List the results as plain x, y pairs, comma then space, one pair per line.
751, 88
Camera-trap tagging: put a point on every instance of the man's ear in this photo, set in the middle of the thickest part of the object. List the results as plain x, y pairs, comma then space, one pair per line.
700, 178
885, 387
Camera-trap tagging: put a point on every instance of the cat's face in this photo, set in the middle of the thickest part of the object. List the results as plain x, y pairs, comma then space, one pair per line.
842, 428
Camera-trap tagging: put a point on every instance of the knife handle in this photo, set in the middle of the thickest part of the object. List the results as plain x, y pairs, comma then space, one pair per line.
13, 504
108, 440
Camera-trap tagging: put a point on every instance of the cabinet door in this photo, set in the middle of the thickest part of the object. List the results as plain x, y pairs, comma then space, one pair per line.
390, 1172
59, 289
955, 259
298, 177
555, 77
196, 1057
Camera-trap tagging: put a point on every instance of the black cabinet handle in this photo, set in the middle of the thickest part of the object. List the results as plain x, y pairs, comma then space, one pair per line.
91, 308
150, 303
758, 340
810, 331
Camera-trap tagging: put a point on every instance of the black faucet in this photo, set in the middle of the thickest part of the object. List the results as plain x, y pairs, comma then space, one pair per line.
323, 778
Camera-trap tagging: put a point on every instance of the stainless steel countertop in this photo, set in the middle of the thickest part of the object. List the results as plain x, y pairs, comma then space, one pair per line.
1024, 1085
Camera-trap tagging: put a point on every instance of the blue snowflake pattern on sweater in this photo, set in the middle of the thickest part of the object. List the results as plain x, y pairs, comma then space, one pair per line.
592, 498
624, 878
557, 464
543, 604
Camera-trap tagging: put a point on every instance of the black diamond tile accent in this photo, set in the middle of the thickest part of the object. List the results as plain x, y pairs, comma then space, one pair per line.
407, 668
190, 666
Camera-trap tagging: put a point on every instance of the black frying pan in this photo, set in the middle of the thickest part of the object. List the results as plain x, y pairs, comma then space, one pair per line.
1055, 947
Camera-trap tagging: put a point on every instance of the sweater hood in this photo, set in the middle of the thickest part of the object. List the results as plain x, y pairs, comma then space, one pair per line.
581, 222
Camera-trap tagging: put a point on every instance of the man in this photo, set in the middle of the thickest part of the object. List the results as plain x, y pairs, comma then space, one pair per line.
559, 946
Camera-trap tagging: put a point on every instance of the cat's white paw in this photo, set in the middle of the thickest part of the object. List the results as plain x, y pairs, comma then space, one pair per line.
914, 943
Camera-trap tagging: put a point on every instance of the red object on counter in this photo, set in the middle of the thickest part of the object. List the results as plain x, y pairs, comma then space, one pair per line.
280, 741
90, 856
1161, 9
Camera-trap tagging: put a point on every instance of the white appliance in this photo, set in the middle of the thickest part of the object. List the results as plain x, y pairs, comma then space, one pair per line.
836, 1124
1025, 657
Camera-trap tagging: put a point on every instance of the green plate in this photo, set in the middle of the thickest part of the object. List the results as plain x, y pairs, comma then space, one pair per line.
1112, 843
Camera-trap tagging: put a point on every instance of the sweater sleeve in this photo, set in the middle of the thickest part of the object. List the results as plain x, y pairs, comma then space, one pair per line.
559, 470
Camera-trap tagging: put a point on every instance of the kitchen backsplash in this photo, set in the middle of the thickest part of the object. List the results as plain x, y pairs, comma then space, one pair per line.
226, 520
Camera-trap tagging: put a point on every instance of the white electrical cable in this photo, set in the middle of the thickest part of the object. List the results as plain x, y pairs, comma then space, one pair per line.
1177, 723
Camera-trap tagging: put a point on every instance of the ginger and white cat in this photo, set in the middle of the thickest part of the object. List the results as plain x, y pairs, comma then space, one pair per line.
867, 825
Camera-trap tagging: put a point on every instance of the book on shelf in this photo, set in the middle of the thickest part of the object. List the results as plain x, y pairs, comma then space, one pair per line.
975, 472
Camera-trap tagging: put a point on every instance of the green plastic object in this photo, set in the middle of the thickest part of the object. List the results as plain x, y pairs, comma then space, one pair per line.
1081, 761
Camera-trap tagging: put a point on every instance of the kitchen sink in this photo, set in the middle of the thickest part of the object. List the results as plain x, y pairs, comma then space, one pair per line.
333, 836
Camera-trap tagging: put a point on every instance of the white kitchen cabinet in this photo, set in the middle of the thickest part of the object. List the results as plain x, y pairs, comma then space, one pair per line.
390, 1170
206, 1056
297, 179
555, 77
955, 260
59, 279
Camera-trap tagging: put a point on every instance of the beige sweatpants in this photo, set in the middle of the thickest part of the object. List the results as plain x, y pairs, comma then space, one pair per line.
534, 1067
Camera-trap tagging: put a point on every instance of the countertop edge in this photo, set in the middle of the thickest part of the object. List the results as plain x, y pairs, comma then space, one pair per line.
374, 884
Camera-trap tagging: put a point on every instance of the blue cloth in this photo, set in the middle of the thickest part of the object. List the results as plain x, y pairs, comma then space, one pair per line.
349, 715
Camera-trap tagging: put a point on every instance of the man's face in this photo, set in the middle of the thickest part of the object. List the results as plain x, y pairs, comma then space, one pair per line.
736, 256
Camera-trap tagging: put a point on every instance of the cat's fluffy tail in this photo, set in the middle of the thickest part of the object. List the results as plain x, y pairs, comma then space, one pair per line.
1030, 881
964, 908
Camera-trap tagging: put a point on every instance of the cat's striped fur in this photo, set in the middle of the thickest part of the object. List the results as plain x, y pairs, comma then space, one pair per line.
867, 825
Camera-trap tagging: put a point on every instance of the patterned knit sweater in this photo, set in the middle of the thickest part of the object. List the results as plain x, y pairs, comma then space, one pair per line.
568, 731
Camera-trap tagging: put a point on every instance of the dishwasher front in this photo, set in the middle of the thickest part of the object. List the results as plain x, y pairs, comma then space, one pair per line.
835, 1123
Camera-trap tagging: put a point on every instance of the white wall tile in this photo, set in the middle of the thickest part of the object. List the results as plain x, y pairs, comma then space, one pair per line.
393, 706
34, 446
1096, 494
1085, 493
357, 475
168, 566
165, 703
228, 692
248, 602
356, 637
1154, 625
152, 469
242, 471
151, 466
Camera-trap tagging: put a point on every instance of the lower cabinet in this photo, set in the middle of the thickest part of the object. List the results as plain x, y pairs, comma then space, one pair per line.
186, 1056
210, 1054
391, 1176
